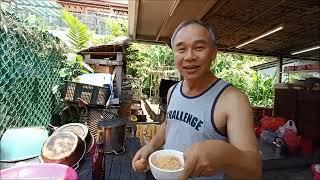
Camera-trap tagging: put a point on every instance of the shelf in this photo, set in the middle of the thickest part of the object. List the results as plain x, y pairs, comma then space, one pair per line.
303, 71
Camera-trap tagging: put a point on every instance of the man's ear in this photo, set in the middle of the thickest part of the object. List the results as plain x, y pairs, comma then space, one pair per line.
214, 54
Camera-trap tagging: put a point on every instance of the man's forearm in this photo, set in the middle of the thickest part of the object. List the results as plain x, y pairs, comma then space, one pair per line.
243, 164
159, 139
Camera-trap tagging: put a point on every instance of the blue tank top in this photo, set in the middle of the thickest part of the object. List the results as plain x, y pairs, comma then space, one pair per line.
190, 119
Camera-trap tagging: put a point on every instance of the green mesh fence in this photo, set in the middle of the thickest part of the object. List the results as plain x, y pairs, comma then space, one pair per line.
29, 71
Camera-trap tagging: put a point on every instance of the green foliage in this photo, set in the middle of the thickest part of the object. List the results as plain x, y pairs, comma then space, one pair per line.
115, 28
35, 22
230, 68
150, 63
73, 67
79, 35
235, 69
143, 58
261, 91
78, 32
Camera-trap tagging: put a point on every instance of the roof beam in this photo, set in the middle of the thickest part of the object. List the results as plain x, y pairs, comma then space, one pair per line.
166, 16
133, 13
207, 7
151, 39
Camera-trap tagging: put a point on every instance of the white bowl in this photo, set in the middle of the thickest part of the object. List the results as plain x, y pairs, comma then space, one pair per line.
162, 173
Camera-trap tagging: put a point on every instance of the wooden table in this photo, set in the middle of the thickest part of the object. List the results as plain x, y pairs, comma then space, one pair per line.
117, 167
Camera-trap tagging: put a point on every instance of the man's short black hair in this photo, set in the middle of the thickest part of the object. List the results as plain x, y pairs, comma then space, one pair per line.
188, 22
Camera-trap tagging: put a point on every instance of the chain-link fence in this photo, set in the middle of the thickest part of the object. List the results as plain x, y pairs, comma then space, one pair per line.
29, 72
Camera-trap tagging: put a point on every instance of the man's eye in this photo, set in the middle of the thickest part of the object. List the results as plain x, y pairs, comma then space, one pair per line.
199, 48
181, 50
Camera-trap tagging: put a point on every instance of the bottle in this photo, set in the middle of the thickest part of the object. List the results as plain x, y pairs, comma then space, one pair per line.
98, 165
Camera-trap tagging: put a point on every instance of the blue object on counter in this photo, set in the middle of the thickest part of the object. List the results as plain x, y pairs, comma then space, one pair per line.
18, 144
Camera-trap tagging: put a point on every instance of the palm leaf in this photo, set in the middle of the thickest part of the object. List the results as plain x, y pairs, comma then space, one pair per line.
78, 32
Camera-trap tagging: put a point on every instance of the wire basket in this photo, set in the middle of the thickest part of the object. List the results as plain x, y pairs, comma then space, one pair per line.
95, 115
93, 95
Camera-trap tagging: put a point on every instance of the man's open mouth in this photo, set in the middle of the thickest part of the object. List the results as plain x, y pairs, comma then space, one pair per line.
190, 67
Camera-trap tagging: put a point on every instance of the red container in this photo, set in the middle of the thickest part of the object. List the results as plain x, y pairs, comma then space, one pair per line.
306, 146
315, 66
272, 123
257, 131
301, 67
289, 68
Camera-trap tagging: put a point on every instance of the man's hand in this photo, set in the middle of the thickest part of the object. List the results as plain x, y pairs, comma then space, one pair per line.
209, 157
206, 158
140, 159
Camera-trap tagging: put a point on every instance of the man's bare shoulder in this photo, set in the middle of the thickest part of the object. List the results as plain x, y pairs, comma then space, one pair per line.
234, 95
232, 99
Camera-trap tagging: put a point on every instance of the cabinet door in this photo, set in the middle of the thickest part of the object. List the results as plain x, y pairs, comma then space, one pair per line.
308, 114
285, 103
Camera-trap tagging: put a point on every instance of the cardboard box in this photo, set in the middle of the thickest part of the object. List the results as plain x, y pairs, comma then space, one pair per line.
102, 69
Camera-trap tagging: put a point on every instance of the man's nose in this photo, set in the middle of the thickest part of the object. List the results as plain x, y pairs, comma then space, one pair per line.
189, 55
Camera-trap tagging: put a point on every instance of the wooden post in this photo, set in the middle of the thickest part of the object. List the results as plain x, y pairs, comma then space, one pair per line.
279, 69
118, 73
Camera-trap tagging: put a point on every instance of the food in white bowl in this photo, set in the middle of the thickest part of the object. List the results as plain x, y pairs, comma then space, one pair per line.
166, 164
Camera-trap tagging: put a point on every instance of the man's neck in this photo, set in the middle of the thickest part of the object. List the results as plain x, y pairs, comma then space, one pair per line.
198, 85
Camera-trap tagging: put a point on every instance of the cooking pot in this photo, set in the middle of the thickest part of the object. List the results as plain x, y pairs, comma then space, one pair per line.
77, 128
19, 144
82, 131
63, 148
90, 146
113, 134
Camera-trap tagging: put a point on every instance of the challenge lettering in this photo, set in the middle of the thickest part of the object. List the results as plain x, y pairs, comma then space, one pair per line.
185, 117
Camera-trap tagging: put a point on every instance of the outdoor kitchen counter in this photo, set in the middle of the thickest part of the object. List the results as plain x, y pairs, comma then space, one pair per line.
116, 166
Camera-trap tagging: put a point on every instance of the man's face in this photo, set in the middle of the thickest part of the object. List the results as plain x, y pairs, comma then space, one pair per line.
193, 51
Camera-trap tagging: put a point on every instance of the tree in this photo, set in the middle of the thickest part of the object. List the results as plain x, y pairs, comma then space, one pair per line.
78, 34
235, 68
261, 92
115, 28
150, 63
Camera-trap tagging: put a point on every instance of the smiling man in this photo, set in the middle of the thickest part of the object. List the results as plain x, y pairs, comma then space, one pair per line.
207, 118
